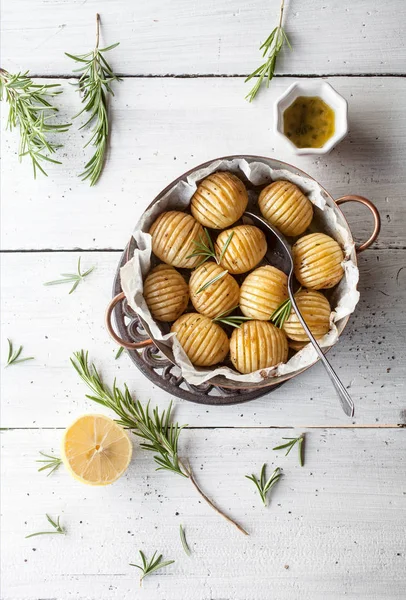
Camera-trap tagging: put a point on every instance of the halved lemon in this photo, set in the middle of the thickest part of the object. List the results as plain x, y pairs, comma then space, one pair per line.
96, 450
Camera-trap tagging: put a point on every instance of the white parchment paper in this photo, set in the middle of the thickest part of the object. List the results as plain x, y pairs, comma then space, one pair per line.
344, 299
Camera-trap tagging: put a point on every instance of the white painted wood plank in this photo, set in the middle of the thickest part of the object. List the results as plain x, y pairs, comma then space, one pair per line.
188, 36
51, 325
162, 127
334, 529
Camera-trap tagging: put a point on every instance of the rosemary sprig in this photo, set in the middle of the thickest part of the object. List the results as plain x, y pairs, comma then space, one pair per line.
72, 277
161, 435
31, 110
211, 281
149, 566
272, 46
263, 484
183, 540
206, 249
49, 462
94, 83
279, 316
292, 442
119, 352
232, 320
56, 525
13, 357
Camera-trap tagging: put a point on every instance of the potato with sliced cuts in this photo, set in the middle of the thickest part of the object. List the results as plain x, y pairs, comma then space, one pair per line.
262, 292
220, 200
204, 342
245, 249
318, 261
315, 309
173, 236
257, 345
213, 299
166, 293
285, 206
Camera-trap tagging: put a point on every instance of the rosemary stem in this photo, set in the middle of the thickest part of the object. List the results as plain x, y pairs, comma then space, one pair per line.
189, 472
281, 13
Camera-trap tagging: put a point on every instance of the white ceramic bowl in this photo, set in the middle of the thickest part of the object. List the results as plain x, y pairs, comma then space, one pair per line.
330, 96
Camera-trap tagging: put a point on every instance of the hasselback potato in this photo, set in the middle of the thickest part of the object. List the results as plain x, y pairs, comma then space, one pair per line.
246, 249
315, 309
220, 200
317, 259
285, 206
204, 342
173, 235
166, 293
216, 298
257, 345
262, 292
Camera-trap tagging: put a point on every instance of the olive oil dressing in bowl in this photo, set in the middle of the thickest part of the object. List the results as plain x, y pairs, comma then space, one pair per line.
309, 122
311, 117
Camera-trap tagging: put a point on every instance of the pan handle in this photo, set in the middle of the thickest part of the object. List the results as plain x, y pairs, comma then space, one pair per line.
375, 214
117, 338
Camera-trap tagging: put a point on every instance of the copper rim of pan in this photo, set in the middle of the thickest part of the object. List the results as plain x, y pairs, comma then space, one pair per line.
222, 381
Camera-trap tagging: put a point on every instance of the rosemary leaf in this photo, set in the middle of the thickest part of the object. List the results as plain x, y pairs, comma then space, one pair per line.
227, 319
271, 48
49, 462
76, 278
183, 540
31, 110
226, 245
119, 352
292, 442
263, 484
94, 84
213, 280
58, 529
149, 566
13, 357
280, 315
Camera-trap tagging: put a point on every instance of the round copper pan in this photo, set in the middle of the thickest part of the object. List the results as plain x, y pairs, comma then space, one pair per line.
222, 381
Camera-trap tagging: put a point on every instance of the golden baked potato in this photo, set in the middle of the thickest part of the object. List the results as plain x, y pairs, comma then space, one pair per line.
315, 309
317, 260
246, 249
218, 297
204, 342
220, 200
166, 293
262, 292
257, 345
296, 345
285, 206
173, 234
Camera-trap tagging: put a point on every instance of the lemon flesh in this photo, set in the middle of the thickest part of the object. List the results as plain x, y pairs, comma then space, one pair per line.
96, 450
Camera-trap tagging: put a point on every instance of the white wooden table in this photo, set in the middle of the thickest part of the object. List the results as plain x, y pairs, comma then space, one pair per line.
335, 528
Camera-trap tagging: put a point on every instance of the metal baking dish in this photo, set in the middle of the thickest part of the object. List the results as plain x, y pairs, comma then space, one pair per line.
275, 164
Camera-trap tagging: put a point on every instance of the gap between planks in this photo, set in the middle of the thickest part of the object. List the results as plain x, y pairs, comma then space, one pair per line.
221, 75
342, 426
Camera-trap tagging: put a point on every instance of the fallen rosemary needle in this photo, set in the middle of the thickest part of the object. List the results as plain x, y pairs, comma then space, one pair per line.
58, 529
76, 278
183, 540
94, 83
263, 484
13, 357
161, 435
49, 462
119, 352
149, 566
289, 445
272, 46
30, 109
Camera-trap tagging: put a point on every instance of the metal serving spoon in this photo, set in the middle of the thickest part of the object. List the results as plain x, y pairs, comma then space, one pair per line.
282, 258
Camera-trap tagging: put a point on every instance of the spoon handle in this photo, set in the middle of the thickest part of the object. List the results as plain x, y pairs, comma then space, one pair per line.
345, 399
